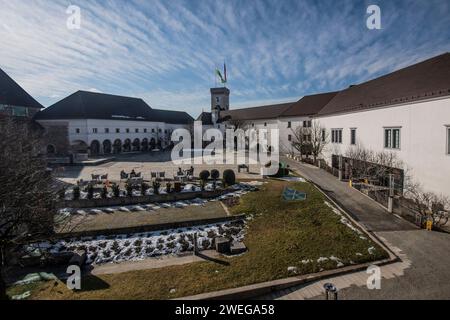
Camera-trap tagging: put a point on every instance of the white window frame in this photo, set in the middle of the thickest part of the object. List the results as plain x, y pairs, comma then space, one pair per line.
351, 131
390, 145
334, 137
447, 139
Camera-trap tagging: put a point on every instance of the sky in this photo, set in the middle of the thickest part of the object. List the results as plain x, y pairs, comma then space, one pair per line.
166, 51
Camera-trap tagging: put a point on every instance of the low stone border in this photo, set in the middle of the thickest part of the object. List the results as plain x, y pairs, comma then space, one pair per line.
147, 228
259, 289
121, 201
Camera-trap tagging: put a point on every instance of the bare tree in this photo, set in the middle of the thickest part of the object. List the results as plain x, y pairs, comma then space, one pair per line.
319, 139
238, 123
27, 198
301, 139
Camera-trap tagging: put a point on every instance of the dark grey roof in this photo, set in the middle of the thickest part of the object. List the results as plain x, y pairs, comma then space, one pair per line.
255, 113
205, 118
308, 105
424, 80
13, 94
91, 105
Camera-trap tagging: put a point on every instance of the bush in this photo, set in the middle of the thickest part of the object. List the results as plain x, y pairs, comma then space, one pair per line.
156, 186
229, 178
144, 188
129, 189
177, 187
90, 191
116, 190
215, 174
204, 175
168, 187
104, 193
76, 193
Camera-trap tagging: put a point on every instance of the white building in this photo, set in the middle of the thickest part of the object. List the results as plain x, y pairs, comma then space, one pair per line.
406, 112
100, 123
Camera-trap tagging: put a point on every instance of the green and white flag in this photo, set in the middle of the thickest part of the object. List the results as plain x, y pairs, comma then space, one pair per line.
219, 74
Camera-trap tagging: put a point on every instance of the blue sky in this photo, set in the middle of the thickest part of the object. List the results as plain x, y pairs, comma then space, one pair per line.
166, 51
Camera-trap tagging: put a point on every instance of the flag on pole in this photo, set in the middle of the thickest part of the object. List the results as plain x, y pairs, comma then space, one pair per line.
225, 71
219, 74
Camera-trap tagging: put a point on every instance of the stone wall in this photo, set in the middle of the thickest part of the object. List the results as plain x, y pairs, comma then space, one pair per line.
123, 201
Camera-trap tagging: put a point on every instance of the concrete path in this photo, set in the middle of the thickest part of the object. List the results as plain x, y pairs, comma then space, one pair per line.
364, 210
423, 271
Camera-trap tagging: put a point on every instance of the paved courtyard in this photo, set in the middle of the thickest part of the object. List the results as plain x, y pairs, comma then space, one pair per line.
421, 273
146, 163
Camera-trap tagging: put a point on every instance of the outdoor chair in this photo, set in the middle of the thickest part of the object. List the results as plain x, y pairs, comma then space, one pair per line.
162, 175
104, 177
123, 176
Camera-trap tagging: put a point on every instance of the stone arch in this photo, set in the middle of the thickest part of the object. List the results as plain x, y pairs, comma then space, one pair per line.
152, 143
79, 146
136, 144
51, 150
117, 146
144, 144
94, 148
107, 147
127, 145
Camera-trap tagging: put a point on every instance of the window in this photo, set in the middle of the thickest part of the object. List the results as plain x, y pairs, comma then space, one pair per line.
106, 130
217, 100
307, 123
336, 135
159, 130
289, 124
153, 130
19, 111
448, 139
289, 137
265, 124
145, 130
323, 135
117, 130
352, 136
77, 130
94, 130
127, 130
253, 124
136, 130
392, 138
165, 131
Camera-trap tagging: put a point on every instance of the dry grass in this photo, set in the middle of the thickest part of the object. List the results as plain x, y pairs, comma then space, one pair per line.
282, 234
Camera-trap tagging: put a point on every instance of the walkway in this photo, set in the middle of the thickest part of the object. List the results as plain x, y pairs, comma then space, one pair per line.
421, 273
364, 210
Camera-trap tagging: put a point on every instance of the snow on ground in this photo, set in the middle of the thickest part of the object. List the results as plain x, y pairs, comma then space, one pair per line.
294, 179
344, 220
138, 246
240, 190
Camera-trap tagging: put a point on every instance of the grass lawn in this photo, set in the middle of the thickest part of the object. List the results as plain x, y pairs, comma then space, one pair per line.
281, 234
120, 219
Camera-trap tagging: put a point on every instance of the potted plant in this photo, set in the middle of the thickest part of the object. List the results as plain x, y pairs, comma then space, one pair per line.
215, 174
168, 187
129, 189
90, 191
144, 188
204, 175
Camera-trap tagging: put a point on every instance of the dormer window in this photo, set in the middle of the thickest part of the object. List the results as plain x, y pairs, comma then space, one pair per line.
217, 100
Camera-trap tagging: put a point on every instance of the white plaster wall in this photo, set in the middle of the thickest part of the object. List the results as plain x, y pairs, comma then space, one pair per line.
422, 139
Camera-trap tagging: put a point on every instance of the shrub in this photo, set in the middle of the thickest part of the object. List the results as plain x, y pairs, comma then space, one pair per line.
168, 187
116, 190
177, 187
144, 188
156, 186
215, 174
129, 189
104, 193
229, 178
76, 193
204, 175
90, 191
62, 193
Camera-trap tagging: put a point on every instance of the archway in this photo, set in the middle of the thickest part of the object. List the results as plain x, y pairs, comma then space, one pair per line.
51, 150
79, 146
127, 145
136, 144
117, 148
107, 148
144, 144
95, 148
152, 143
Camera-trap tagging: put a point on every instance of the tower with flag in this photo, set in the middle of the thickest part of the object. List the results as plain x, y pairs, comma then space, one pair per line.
220, 95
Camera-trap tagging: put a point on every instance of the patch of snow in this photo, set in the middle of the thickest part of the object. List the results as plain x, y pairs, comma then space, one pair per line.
371, 250
322, 259
292, 269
